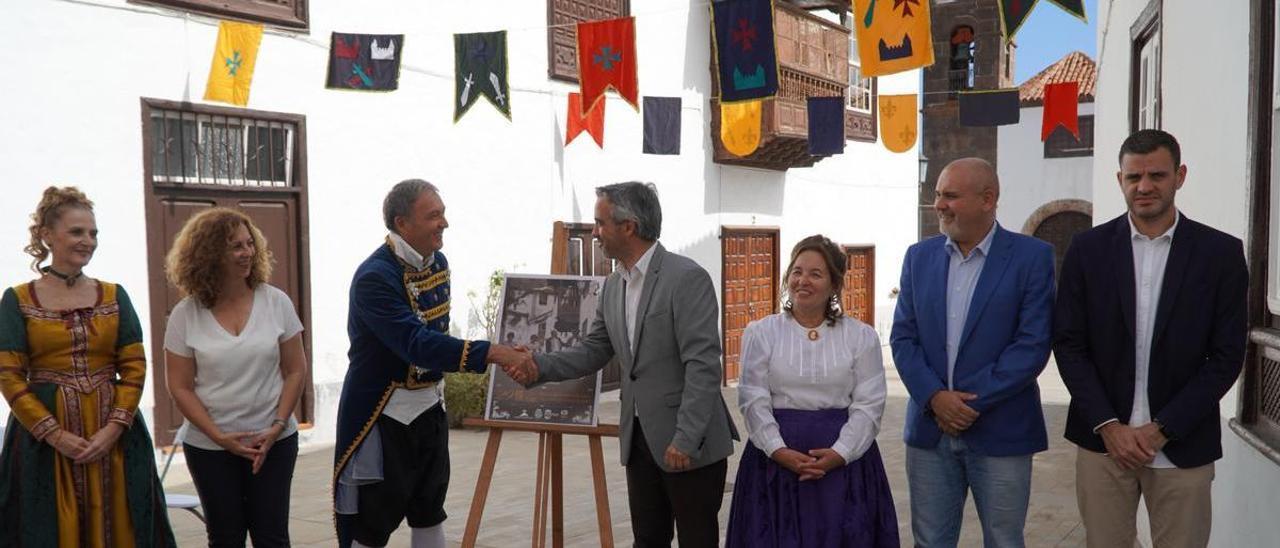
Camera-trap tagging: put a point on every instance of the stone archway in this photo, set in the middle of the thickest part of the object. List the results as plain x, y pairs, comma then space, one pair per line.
1057, 222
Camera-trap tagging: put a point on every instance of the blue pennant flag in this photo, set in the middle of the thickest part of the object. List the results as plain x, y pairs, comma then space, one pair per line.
746, 60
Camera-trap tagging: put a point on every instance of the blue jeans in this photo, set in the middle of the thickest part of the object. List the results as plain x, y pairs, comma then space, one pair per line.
940, 479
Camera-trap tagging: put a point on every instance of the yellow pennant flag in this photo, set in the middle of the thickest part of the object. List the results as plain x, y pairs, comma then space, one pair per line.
740, 126
233, 60
893, 35
898, 122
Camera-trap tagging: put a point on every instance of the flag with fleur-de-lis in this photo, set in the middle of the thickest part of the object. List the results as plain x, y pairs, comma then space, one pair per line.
607, 59
233, 58
746, 59
364, 62
898, 122
480, 69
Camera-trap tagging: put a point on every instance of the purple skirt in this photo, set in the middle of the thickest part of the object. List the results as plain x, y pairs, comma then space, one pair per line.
849, 507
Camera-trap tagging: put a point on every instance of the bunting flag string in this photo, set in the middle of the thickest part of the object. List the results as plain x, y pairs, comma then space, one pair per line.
364, 62
892, 36
989, 108
1061, 107
591, 121
1013, 13
744, 49
480, 69
898, 122
661, 125
740, 126
607, 59
234, 56
826, 125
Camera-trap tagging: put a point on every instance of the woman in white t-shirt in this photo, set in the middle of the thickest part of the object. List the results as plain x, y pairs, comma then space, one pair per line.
236, 367
812, 394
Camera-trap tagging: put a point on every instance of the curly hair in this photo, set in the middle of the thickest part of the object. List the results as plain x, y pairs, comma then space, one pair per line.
53, 202
194, 263
837, 265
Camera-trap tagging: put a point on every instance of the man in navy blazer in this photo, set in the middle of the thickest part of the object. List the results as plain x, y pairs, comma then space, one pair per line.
1149, 335
970, 335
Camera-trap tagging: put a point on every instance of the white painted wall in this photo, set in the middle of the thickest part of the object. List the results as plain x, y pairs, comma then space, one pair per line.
1028, 180
73, 118
1205, 94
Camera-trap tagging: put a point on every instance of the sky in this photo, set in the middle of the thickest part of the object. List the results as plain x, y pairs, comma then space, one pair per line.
1049, 34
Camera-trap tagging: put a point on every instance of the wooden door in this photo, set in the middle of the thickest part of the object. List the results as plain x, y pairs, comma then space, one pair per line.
749, 286
859, 294
574, 251
197, 157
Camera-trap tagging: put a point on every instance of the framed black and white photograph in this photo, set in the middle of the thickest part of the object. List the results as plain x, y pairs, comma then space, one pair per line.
545, 314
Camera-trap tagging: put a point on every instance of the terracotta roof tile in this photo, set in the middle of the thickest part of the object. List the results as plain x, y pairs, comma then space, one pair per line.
1075, 67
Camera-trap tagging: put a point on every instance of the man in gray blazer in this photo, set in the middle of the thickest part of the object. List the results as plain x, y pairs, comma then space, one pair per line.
658, 315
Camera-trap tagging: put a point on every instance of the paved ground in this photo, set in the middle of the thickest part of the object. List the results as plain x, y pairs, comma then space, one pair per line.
1052, 521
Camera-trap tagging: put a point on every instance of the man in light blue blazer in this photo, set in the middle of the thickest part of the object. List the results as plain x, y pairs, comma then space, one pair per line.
971, 333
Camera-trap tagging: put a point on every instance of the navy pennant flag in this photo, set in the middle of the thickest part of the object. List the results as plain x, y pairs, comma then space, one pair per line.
480, 68
662, 125
365, 62
826, 125
990, 108
744, 49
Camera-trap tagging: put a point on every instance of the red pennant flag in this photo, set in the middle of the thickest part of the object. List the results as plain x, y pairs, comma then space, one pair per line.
592, 121
1061, 102
607, 58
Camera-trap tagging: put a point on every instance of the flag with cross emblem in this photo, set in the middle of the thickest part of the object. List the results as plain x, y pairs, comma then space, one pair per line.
746, 60
233, 58
607, 59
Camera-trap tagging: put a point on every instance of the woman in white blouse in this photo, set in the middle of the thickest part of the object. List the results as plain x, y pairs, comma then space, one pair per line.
235, 367
812, 393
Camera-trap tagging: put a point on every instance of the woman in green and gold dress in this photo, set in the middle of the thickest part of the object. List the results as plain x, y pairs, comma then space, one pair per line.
77, 467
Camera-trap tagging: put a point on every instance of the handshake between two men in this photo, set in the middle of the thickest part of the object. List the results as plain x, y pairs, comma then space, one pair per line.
516, 361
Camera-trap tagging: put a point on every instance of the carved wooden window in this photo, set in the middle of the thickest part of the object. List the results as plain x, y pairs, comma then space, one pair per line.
860, 98
562, 31
280, 13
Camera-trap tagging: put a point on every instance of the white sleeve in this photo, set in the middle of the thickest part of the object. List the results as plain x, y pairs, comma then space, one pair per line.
290, 325
869, 394
175, 329
754, 398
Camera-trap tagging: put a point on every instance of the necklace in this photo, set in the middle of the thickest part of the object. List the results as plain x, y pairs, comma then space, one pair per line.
813, 334
70, 279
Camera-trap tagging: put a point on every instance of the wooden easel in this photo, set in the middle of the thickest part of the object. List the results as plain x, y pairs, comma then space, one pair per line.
550, 478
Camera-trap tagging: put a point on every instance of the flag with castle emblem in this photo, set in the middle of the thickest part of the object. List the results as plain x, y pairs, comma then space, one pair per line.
898, 122
364, 62
607, 59
746, 60
480, 69
233, 58
893, 35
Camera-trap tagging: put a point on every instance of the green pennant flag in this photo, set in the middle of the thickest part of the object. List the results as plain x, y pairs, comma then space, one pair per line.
480, 68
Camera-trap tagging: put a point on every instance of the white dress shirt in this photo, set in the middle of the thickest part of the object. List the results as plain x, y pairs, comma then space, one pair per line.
1150, 255
783, 369
962, 279
634, 280
404, 405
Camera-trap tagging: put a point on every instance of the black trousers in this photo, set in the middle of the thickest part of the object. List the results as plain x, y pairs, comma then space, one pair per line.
236, 501
415, 468
657, 498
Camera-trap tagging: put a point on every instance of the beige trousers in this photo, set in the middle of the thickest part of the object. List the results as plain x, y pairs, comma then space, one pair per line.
1177, 502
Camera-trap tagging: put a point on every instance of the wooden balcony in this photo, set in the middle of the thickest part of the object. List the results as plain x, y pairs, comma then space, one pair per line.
813, 61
